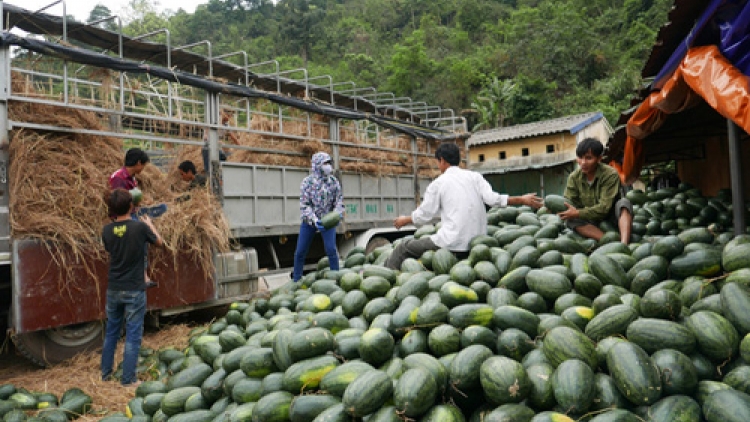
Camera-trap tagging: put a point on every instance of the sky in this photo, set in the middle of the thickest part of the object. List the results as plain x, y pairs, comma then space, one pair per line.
81, 8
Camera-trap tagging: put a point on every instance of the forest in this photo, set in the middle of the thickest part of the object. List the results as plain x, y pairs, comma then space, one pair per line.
496, 62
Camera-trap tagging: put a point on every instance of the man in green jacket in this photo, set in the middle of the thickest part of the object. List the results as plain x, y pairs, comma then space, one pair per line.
593, 192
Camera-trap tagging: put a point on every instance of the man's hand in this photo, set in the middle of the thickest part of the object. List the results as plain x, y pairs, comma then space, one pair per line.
532, 200
570, 213
401, 221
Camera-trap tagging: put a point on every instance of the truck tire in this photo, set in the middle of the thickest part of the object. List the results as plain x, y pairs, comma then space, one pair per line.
49, 347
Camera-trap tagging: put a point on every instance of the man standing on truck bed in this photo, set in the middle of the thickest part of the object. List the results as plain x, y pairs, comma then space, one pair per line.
188, 173
458, 196
320, 194
124, 240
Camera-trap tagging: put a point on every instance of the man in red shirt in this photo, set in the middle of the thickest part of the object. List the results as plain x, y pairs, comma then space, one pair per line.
124, 178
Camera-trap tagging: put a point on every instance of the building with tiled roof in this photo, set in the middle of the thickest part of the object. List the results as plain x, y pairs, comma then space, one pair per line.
539, 155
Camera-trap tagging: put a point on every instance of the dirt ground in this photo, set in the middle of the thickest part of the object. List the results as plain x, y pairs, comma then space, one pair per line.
83, 370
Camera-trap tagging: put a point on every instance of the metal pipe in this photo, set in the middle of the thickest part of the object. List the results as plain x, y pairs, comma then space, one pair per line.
212, 165
354, 90
169, 59
210, 57
292, 71
395, 100
244, 62
409, 105
330, 84
354, 86
735, 176
122, 76
275, 62
345, 83
278, 86
98, 21
5, 93
440, 119
65, 15
378, 95
119, 43
47, 7
426, 110
307, 94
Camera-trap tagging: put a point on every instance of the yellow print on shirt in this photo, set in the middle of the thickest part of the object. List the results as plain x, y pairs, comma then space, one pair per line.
120, 230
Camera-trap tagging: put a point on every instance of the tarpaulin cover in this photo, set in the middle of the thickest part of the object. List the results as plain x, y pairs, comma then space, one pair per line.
703, 74
82, 56
723, 23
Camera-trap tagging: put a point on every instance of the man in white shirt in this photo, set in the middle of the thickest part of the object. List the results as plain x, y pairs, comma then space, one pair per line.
458, 196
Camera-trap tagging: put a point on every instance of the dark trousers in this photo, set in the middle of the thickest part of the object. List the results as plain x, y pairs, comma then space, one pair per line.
123, 308
410, 248
306, 234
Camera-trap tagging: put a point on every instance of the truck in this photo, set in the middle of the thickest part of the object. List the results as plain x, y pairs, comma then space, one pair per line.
169, 100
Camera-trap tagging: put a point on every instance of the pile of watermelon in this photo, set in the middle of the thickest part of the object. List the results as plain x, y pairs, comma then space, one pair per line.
537, 324
18, 404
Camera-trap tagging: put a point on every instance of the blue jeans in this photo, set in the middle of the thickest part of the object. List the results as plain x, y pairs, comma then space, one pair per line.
306, 234
128, 308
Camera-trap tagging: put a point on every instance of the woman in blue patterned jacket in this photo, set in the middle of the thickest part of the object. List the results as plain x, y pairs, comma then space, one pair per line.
321, 194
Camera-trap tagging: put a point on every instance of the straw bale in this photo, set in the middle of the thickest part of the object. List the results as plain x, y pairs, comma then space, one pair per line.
83, 371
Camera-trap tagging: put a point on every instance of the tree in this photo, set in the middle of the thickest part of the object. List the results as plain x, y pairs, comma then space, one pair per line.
100, 12
531, 100
142, 17
492, 104
299, 22
410, 66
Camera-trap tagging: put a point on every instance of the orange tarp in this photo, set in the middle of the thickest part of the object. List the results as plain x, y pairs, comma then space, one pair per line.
704, 73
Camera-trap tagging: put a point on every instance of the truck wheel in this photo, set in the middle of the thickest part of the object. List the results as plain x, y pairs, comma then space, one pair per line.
50, 347
375, 243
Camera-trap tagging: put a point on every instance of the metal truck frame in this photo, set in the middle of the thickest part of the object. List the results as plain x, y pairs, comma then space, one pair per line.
52, 315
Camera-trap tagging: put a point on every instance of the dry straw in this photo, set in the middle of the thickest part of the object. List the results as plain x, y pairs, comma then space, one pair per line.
268, 147
83, 371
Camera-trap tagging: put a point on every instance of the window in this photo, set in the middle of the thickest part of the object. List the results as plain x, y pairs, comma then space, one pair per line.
525, 152
481, 158
550, 149
502, 155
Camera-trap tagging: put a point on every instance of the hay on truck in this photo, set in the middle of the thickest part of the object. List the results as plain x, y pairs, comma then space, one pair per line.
356, 152
58, 185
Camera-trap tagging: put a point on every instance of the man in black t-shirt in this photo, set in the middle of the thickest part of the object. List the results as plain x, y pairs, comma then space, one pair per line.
124, 240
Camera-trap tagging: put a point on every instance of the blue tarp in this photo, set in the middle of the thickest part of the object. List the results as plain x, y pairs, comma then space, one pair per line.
730, 20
